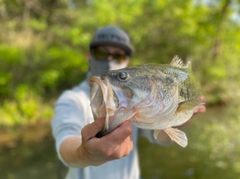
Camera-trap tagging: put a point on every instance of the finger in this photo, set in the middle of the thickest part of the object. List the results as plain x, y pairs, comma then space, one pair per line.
90, 130
202, 98
125, 148
119, 134
200, 109
130, 144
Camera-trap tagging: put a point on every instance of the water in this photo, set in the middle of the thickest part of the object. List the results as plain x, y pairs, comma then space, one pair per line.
213, 152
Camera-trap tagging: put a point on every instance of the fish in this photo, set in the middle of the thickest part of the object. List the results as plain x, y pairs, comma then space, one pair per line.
152, 96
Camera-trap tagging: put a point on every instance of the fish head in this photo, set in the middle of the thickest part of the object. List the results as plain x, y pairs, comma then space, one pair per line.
110, 91
130, 91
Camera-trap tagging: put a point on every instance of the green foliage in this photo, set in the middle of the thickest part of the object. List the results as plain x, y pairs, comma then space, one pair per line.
44, 44
26, 108
11, 59
44, 47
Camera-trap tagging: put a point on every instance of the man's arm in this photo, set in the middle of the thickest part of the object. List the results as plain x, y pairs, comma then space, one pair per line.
89, 150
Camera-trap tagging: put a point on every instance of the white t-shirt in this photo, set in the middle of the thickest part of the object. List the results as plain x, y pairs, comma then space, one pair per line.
72, 113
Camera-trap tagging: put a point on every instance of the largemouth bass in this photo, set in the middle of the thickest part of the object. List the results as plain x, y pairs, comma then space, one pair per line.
152, 96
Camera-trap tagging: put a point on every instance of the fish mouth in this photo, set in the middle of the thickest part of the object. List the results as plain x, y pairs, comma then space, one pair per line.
103, 100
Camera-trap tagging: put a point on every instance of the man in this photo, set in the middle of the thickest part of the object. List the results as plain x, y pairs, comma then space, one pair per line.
114, 155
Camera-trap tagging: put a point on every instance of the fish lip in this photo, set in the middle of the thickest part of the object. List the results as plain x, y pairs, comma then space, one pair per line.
92, 80
106, 99
95, 79
102, 82
107, 95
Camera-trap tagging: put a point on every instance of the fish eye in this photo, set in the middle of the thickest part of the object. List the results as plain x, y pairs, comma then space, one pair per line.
122, 75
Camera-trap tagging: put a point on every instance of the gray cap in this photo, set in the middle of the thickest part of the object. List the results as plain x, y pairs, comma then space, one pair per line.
111, 35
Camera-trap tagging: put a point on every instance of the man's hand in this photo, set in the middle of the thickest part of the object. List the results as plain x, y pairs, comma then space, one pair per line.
201, 109
115, 145
91, 150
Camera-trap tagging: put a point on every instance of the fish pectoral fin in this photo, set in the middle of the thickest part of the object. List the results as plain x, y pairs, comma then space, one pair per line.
178, 136
188, 105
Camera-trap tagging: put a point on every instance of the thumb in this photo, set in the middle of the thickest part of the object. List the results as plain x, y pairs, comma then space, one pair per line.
91, 130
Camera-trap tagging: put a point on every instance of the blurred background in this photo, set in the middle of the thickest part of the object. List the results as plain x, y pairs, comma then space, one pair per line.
43, 51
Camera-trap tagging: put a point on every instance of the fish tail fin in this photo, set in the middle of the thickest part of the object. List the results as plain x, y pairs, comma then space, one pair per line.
178, 136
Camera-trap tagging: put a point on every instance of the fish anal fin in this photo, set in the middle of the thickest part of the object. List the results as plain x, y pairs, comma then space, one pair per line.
178, 136
162, 137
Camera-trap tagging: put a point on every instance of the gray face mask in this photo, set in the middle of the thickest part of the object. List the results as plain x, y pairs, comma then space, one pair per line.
98, 67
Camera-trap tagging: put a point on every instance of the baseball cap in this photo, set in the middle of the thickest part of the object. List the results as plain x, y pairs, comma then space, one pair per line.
111, 35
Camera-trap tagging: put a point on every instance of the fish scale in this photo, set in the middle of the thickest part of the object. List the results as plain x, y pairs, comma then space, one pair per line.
152, 96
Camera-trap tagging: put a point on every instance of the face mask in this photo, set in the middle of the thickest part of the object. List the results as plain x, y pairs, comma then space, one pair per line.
98, 67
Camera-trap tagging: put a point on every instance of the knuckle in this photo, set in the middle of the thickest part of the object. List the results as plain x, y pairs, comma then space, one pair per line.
97, 164
130, 147
118, 155
113, 154
107, 152
84, 132
129, 130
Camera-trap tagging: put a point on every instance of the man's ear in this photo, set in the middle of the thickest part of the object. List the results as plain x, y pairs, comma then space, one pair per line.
128, 63
88, 56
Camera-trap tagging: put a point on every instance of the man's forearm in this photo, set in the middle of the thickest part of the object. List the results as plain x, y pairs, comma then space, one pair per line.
72, 153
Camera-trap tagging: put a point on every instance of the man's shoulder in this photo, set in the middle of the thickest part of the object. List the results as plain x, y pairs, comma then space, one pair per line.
82, 87
80, 91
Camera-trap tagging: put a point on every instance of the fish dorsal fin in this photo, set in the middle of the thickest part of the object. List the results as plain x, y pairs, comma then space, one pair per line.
177, 62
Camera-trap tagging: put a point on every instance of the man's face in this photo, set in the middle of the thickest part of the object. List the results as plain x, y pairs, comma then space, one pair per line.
105, 58
107, 52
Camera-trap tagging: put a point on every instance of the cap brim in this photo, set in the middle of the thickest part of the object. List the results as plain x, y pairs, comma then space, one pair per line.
128, 49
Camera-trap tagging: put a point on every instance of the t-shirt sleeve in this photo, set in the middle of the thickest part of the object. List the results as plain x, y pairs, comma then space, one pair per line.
68, 119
